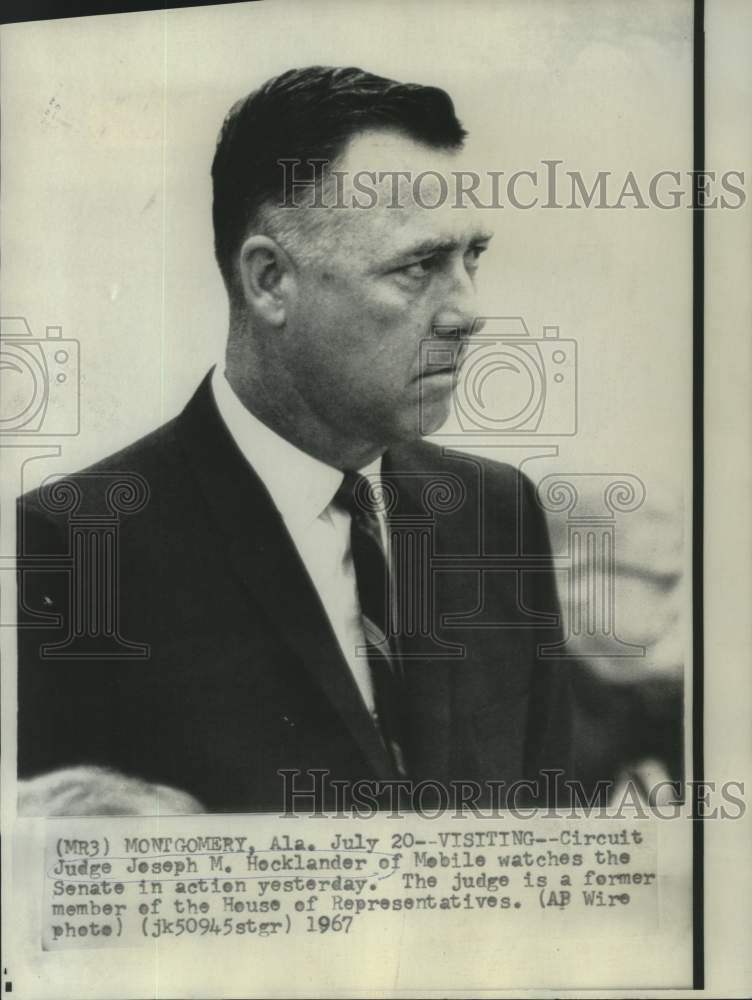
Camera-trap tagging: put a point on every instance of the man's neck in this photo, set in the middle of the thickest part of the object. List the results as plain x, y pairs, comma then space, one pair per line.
293, 420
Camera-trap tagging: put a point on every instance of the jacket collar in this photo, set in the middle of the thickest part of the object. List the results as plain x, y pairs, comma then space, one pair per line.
264, 557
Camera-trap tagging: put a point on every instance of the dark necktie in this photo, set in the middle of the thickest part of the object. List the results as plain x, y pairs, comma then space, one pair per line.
372, 576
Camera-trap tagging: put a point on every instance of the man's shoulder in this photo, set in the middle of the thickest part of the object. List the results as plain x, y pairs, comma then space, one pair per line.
130, 471
140, 455
157, 457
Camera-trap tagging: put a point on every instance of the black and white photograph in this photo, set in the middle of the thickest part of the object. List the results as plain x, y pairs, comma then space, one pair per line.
359, 386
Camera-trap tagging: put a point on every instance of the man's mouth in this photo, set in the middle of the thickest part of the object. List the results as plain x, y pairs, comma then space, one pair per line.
448, 369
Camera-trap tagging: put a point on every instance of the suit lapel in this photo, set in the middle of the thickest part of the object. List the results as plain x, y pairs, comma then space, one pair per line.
266, 560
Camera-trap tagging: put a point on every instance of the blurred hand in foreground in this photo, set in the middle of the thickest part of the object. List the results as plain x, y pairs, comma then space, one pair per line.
96, 791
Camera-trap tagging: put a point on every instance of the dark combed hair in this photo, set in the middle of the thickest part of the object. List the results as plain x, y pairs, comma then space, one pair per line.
310, 114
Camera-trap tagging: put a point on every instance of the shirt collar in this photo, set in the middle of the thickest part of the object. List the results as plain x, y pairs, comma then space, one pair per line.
301, 486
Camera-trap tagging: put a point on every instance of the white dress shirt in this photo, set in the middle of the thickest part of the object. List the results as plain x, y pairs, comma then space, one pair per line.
302, 489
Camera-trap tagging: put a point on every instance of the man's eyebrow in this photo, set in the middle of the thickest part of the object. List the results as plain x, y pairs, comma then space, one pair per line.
436, 245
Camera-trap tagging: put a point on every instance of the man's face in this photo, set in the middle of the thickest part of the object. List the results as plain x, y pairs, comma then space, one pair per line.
384, 280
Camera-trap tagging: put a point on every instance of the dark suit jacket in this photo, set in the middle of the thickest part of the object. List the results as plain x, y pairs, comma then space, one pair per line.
243, 675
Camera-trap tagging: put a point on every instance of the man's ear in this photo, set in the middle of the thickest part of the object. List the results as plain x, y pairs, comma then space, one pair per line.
265, 271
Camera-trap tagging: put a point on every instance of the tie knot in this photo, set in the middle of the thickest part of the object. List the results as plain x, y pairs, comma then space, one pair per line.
359, 496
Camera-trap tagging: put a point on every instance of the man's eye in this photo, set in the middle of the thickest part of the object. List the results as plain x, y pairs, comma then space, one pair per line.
473, 255
420, 268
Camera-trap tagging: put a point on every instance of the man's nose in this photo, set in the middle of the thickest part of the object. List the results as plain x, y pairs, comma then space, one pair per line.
458, 314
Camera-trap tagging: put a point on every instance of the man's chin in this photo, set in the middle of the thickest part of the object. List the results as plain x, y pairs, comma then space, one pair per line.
422, 420
434, 410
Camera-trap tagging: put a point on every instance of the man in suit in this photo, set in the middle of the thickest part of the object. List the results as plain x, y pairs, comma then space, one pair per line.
278, 616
